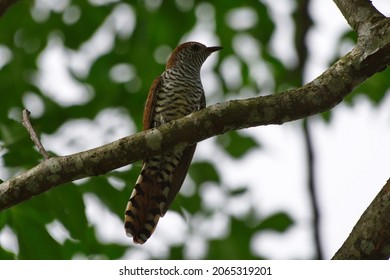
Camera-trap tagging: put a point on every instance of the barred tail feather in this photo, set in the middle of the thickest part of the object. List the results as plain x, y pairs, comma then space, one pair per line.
145, 207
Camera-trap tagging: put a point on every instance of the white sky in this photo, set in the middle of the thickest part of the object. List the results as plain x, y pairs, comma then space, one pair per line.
351, 154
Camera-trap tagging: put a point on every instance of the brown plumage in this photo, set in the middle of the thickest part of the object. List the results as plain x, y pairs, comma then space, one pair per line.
175, 94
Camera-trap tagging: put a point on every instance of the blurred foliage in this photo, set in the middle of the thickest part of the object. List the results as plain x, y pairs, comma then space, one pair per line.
111, 51
236, 144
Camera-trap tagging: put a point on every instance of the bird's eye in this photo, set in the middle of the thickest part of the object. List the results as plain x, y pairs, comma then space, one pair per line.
195, 48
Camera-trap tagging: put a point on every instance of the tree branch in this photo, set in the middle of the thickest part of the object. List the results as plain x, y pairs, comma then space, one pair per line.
370, 238
34, 137
361, 15
320, 95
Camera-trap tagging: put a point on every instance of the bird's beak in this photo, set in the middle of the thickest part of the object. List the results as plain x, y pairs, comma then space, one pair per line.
214, 49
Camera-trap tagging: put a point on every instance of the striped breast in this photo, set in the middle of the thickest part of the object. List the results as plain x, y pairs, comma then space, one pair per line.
180, 94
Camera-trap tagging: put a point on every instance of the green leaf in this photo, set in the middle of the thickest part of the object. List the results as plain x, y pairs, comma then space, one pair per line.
202, 172
5, 255
91, 248
34, 240
279, 222
235, 246
114, 199
238, 191
69, 208
191, 204
375, 88
236, 144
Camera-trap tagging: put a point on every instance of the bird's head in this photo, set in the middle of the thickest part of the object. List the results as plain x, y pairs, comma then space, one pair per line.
190, 54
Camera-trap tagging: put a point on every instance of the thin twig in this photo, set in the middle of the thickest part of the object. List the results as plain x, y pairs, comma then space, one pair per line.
304, 23
313, 190
34, 137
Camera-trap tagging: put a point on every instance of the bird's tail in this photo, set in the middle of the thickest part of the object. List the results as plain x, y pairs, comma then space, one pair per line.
157, 186
145, 206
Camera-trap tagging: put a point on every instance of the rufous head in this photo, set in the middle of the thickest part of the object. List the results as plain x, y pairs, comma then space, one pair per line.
191, 54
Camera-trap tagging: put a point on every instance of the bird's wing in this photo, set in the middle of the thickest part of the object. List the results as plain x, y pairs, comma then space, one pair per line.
150, 103
181, 169
179, 175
